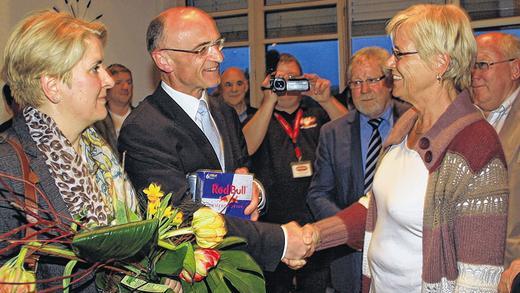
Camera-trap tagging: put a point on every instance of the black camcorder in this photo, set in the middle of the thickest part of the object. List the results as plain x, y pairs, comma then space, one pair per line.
292, 84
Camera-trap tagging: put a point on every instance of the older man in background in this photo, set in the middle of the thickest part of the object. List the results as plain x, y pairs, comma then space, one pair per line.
119, 104
343, 157
234, 87
496, 91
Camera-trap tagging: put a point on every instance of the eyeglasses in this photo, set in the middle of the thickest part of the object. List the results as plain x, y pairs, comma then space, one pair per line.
202, 49
398, 54
369, 81
483, 65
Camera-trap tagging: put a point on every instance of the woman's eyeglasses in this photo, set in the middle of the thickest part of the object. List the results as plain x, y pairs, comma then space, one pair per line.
398, 54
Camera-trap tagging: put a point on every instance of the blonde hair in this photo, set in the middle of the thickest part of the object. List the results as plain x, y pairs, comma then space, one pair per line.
377, 54
440, 29
45, 43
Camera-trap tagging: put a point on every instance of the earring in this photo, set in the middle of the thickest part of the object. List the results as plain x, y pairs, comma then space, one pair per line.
438, 77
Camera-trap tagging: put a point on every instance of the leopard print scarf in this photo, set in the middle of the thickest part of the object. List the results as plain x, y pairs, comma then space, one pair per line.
91, 182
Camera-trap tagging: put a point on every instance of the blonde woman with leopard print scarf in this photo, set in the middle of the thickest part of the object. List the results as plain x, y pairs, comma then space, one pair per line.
54, 65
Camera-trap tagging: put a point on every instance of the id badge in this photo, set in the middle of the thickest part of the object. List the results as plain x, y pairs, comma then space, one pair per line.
301, 169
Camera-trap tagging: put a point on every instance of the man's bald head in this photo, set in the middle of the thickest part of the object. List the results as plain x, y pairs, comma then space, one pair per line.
234, 86
172, 22
492, 85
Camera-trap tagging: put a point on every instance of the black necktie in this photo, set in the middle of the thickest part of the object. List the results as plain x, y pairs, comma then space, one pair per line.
374, 148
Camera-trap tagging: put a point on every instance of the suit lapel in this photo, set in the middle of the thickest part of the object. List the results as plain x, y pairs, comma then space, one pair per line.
165, 104
357, 161
510, 132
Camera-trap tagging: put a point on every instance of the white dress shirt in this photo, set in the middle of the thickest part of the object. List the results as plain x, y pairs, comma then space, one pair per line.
498, 116
190, 105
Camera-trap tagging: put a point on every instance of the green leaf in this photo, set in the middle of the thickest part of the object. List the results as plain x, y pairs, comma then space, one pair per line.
121, 213
215, 280
240, 270
230, 241
170, 262
165, 202
198, 287
52, 249
67, 272
116, 242
189, 259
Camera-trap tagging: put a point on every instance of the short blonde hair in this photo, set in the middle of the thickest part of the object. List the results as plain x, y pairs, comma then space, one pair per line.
377, 54
440, 29
45, 43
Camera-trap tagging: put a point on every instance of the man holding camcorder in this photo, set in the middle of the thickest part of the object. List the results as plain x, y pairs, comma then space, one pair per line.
282, 138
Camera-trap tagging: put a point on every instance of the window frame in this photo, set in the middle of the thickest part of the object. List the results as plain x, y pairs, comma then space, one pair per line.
257, 42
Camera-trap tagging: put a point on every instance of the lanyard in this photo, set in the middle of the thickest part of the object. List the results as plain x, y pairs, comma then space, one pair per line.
292, 132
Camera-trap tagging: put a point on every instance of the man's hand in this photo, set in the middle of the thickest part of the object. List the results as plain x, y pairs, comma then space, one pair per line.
310, 238
301, 243
506, 280
252, 208
270, 97
319, 88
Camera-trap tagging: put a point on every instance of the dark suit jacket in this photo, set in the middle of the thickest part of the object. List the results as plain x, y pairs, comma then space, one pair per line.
107, 130
10, 218
339, 182
163, 144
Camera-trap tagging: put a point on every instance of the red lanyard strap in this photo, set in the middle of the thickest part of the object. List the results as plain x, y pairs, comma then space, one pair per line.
292, 132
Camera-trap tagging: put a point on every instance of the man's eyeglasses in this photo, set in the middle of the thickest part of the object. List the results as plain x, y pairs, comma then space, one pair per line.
398, 54
203, 49
369, 81
483, 65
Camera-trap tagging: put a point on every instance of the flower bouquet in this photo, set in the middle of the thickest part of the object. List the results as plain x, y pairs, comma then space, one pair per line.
133, 254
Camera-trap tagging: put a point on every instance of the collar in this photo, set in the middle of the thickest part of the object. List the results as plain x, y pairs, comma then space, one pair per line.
188, 103
506, 104
121, 117
434, 142
386, 116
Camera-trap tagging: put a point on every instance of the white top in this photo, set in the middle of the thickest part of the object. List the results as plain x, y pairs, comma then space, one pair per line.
395, 250
190, 105
498, 116
118, 120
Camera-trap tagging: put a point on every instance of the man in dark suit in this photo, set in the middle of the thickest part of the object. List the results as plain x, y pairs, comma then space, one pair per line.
163, 137
341, 154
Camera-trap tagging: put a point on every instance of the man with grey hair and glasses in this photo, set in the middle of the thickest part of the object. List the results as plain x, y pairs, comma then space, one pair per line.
496, 90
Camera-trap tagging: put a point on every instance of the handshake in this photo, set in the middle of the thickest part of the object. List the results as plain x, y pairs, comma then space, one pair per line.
301, 244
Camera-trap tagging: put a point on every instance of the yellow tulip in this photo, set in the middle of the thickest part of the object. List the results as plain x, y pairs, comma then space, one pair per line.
13, 272
209, 227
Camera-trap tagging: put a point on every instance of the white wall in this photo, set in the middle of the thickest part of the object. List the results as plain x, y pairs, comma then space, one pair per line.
126, 20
